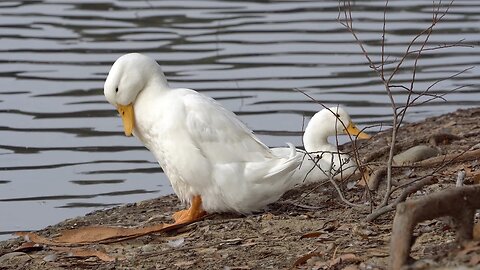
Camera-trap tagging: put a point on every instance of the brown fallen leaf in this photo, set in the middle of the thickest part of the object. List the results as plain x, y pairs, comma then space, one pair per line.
98, 234
29, 247
312, 235
350, 258
93, 253
35, 238
303, 259
84, 252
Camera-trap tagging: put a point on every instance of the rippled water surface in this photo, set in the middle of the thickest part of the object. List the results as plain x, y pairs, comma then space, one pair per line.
62, 148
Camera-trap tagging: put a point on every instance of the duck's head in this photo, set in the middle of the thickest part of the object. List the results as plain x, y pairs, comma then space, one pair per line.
129, 75
330, 122
340, 119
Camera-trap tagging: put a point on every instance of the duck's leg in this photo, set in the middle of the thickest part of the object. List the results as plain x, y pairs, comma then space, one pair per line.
191, 214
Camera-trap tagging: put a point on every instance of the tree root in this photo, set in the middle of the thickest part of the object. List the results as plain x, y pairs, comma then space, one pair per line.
415, 186
459, 203
378, 175
455, 157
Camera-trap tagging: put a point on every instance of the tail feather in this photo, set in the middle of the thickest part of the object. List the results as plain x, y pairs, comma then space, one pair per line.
287, 166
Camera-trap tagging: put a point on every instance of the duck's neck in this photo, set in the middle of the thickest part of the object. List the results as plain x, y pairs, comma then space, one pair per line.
315, 139
158, 81
146, 104
156, 85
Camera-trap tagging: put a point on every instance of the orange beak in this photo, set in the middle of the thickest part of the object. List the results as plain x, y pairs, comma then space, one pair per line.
354, 131
128, 119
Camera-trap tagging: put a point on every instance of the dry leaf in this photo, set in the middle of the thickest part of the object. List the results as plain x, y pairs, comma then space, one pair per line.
312, 235
35, 238
305, 258
92, 253
29, 247
97, 234
84, 252
350, 257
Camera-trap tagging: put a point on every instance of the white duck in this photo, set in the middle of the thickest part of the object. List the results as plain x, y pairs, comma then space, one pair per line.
213, 161
323, 160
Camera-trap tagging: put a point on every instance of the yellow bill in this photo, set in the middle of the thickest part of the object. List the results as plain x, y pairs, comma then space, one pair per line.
354, 131
128, 119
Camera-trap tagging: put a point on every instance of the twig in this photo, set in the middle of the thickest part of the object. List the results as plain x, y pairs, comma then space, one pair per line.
414, 187
299, 205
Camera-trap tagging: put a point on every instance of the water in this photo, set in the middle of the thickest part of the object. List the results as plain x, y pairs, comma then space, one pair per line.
62, 148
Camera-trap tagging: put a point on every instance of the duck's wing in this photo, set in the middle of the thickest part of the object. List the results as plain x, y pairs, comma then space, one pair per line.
219, 134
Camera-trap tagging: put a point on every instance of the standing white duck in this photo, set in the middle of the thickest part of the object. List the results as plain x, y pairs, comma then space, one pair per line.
322, 160
213, 161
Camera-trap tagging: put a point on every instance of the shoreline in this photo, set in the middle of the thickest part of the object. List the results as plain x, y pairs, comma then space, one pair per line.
307, 221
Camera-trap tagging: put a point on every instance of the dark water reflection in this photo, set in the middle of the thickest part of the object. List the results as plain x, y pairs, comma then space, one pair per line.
62, 149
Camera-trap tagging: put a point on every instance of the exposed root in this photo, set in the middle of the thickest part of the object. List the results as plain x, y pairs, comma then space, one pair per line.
459, 203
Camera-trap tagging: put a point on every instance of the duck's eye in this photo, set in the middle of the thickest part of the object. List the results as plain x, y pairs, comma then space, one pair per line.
116, 90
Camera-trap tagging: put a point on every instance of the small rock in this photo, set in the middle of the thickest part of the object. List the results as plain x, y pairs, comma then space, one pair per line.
351, 185
147, 248
50, 258
10, 255
176, 243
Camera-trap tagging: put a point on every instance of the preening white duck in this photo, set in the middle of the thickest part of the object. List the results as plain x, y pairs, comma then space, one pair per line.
323, 160
213, 161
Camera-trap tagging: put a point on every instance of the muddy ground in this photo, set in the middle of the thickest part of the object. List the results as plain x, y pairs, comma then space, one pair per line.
309, 228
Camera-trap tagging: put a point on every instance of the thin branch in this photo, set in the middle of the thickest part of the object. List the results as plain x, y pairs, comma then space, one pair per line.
414, 187
382, 72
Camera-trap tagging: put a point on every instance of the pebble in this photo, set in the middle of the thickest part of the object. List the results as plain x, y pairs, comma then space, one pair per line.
176, 243
147, 248
50, 258
10, 255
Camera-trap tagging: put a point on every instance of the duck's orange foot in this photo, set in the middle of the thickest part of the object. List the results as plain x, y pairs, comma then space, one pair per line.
180, 215
194, 213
